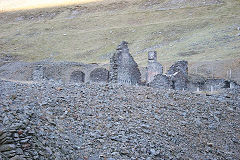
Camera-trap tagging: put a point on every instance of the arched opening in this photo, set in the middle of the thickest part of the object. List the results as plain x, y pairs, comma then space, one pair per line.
77, 76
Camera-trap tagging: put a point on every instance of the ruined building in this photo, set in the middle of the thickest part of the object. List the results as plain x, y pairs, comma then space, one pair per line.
176, 77
154, 68
178, 74
123, 68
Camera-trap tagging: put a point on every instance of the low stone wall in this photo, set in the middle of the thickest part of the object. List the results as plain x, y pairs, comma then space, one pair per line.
99, 75
77, 77
161, 81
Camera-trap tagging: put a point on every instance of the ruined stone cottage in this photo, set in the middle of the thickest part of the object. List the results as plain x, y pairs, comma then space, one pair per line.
176, 77
123, 68
178, 74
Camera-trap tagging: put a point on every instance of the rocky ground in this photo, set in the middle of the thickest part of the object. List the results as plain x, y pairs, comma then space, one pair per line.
50, 120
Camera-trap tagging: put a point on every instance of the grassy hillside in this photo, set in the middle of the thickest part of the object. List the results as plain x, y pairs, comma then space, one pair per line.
197, 31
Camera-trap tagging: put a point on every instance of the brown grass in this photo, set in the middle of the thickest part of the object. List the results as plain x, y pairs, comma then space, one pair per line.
90, 32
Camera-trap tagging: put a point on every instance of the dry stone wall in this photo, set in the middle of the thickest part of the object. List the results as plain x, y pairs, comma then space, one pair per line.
123, 68
99, 75
77, 76
179, 75
17, 137
161, 81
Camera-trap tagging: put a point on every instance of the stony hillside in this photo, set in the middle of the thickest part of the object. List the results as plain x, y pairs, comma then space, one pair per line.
96, 122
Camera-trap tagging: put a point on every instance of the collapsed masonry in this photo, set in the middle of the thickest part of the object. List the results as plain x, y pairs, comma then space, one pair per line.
176, 77
178, 74
161, 81
123, 68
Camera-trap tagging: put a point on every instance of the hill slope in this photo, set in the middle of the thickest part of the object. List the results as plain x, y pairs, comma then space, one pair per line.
197, 31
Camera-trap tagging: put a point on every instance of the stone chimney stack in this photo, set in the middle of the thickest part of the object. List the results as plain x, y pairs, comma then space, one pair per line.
154, 67
152, 56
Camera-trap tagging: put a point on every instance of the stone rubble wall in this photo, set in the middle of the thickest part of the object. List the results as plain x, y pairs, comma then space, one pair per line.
99, 75
179, 66
17, 136
161, 81
179, 75
123, 68
153, 69
77, 76
211, 85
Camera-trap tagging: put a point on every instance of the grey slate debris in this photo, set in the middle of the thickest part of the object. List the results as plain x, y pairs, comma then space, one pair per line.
52, 120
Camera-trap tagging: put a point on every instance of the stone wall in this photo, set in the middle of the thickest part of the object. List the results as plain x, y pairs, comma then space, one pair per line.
179, 75
179, 66
179, 81
99, 75
216, 84
195, 82
17, 135
38, 73
161, 81
202, 84
77, 77
123, 68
